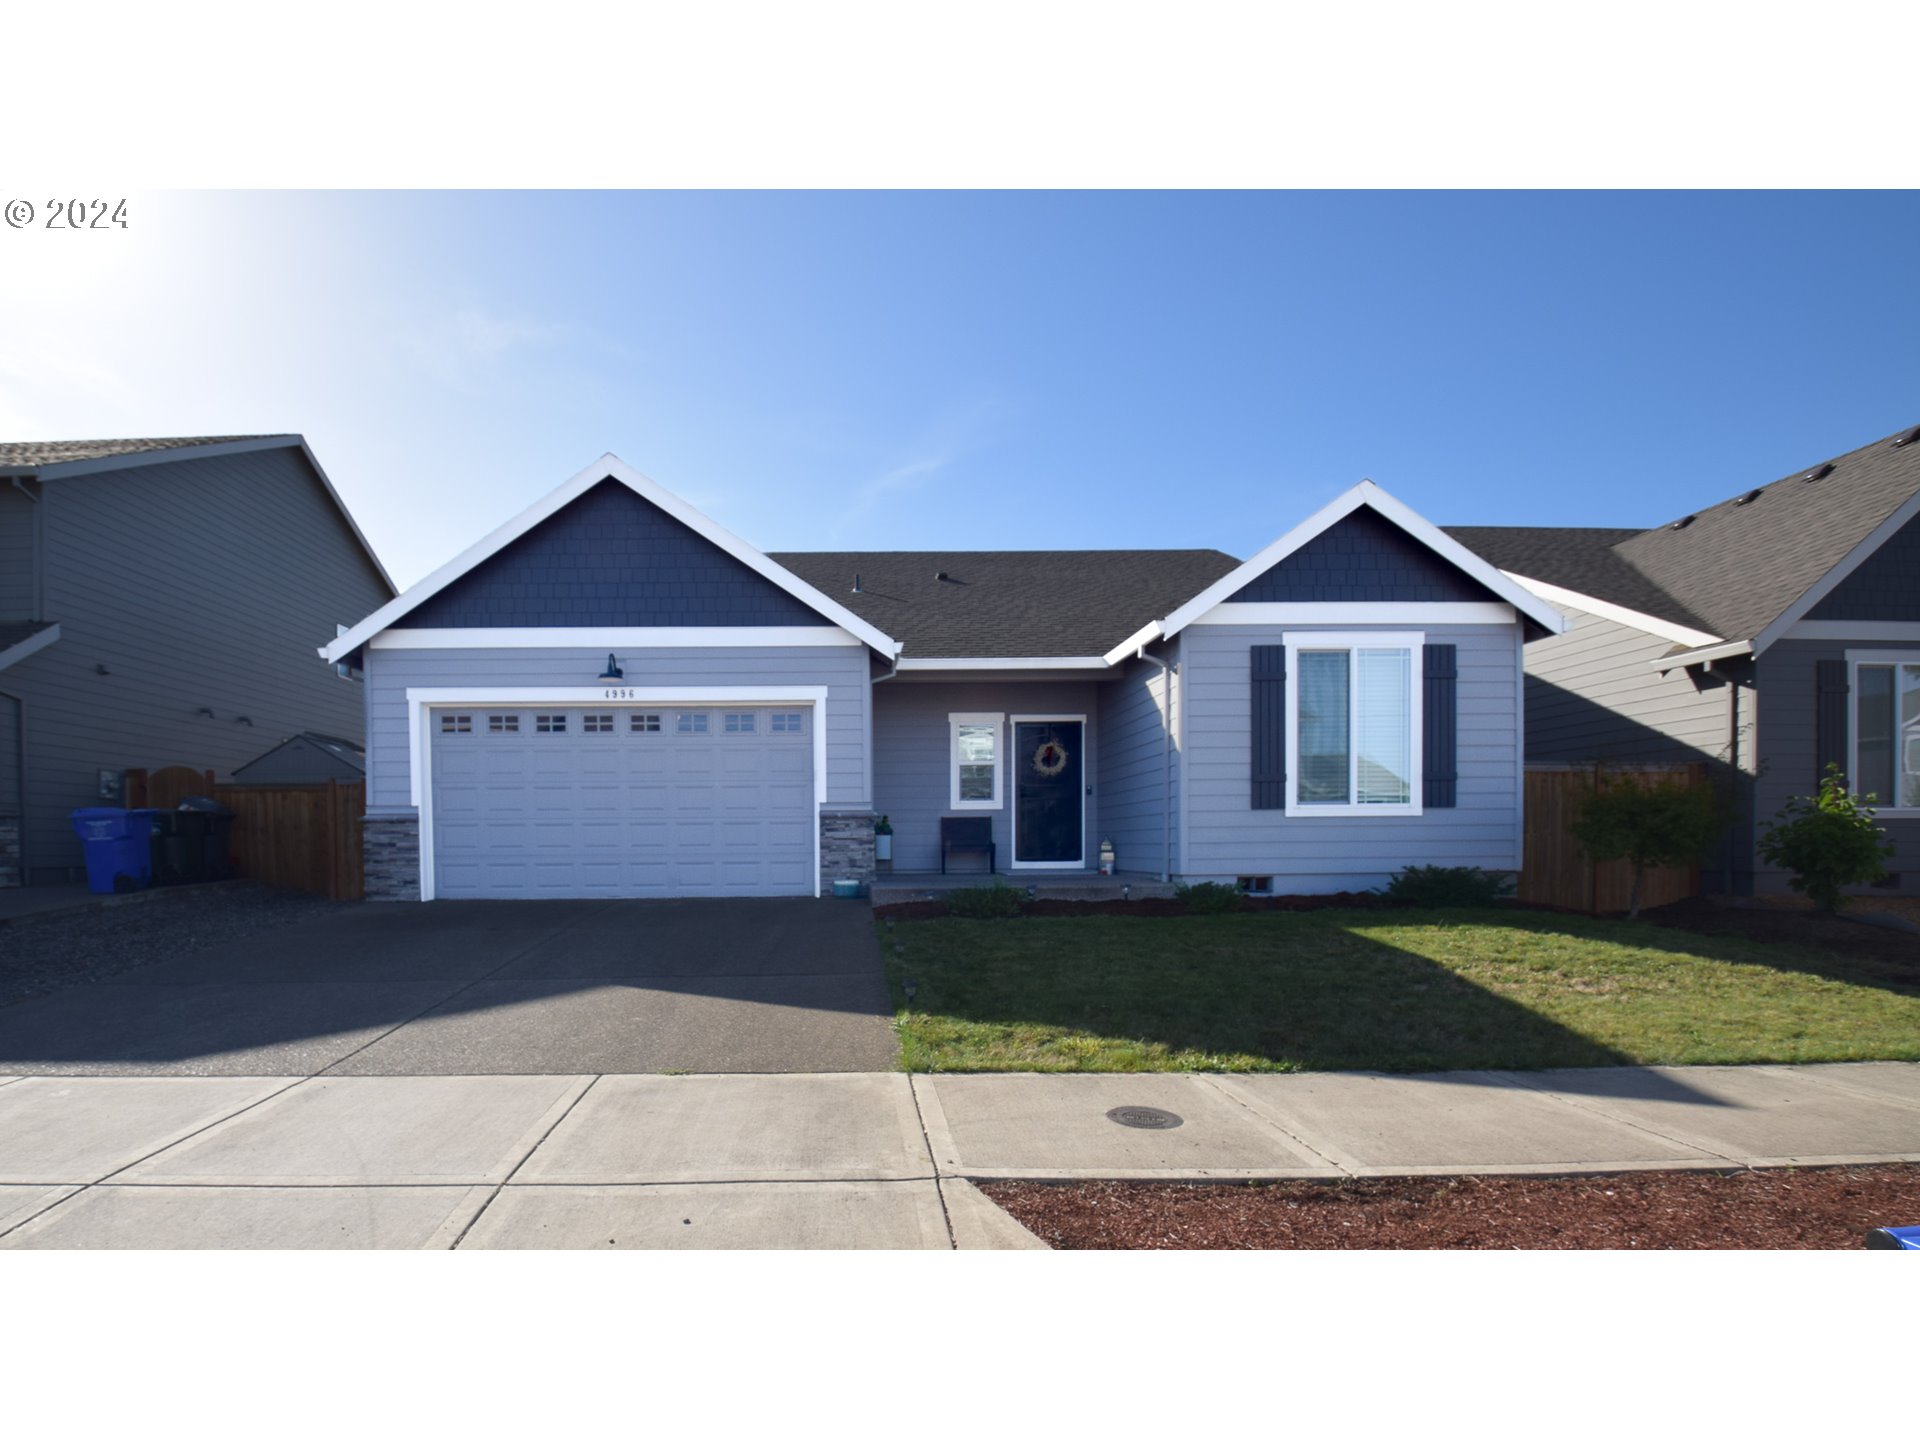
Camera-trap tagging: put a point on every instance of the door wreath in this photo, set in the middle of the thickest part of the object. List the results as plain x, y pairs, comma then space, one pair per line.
1050, 759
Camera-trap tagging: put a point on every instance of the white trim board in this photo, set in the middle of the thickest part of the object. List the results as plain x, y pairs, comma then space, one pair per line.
1360, 612
1701, 656
423, 699
633, 637
1368, 494
32, 645
1619, 614
1867, 630
1014, 662
610, 467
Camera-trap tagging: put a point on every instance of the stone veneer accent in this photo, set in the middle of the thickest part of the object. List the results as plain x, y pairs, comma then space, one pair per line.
392, 844
9, 850
846, 848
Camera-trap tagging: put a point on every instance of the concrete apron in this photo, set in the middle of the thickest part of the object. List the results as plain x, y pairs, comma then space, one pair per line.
837, 1160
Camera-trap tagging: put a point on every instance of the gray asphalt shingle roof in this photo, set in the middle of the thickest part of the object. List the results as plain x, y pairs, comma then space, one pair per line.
1004, 603
1735, 566
34, 454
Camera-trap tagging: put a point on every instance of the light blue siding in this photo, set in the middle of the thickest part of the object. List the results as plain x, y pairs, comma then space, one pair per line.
1134, 777
912, 783
390, 673
1225, 836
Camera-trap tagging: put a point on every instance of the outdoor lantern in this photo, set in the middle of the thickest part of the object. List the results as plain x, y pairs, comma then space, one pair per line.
613, 670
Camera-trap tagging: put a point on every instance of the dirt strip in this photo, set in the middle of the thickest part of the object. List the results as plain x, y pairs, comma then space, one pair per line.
1661, 1210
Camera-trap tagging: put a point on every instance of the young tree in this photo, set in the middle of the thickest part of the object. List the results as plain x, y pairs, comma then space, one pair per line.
1828, 841
1667, 823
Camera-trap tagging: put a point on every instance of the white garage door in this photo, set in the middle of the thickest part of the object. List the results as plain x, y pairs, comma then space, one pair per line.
547, 802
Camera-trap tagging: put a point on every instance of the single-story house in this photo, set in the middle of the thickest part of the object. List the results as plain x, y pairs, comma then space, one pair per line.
1766, 636
157, 601
611, 695
306, 759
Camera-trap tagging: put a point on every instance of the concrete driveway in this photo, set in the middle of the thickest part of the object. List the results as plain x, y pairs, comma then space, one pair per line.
489, 988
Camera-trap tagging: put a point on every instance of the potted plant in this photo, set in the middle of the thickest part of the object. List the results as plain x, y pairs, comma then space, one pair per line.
883, 839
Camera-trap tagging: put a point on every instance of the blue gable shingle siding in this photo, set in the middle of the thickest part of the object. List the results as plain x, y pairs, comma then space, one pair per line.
1363, 557
1885, 587
610, 558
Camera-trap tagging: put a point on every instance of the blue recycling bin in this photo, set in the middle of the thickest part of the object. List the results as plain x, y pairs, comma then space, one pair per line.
1894, 1237
119, 849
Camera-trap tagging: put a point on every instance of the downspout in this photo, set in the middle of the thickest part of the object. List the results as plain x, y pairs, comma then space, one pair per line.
1734, 788
1166, 763
20, 773
893, 669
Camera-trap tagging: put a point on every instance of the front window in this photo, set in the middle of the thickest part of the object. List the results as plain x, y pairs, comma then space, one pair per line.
1886, 733
975, 761
1353, 724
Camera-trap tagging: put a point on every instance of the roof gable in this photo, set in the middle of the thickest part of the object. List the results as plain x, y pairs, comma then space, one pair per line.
1362, 557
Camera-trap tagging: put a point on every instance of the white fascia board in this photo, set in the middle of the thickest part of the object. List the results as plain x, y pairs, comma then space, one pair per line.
1853, 630
1825, 585
610, 467
1371, 495
1361, 612
32, 645
632, 637
1701, 655
1134, 643
1016, 662
1619, 614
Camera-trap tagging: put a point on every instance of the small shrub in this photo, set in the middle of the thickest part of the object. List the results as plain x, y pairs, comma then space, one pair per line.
1651, 826
985, 902
1441, 887
1208, 898
1827, 840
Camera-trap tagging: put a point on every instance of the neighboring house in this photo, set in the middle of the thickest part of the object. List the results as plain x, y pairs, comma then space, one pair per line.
1767, 635
156, 601
306, 760
612, 695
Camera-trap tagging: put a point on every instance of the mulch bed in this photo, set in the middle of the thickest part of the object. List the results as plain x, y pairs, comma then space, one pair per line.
1799, 924
1650, 1210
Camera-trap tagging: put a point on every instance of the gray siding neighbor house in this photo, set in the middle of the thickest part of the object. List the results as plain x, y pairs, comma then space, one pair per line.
1765, 636
611, 695
158, 604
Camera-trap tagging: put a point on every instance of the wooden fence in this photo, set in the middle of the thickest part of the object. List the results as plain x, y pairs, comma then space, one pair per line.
1557, 872
302, 837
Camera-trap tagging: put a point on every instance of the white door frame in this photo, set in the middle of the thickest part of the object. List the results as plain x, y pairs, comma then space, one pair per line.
1013, 779
423, 699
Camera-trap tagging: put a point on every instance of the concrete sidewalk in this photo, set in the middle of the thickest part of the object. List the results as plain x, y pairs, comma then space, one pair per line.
835, 1160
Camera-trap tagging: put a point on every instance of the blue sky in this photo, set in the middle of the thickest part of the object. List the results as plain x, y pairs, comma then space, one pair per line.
986, 370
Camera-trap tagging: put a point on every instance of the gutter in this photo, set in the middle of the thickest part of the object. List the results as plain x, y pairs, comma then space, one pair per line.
1166, 761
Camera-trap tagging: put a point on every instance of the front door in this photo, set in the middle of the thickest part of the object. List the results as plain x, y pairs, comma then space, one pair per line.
1049, 791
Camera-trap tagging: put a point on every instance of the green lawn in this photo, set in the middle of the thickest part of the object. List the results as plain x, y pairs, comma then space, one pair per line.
1379, 990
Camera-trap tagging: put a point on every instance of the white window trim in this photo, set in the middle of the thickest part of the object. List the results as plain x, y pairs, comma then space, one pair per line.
1014, 820
1855, 659
423, 700
995, 718
1412, 640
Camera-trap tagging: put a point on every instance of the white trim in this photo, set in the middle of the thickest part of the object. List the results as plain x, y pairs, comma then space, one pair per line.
976, 718
32, 645
1013, 814
1855, 659
423, 698
1371, 495
1410, 640
1360, 612
610, 467
1619, 614
1012, 662
1701, 656
1825, 585
631, 637
1853, 630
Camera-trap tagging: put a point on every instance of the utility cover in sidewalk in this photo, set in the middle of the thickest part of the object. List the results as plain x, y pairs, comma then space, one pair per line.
1143, 1117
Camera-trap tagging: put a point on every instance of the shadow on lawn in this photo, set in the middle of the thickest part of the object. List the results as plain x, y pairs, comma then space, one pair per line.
1158, 995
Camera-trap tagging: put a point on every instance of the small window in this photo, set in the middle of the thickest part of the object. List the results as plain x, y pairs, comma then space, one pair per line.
692, 723
1353, 724
550, 724
644, 724
456, 724
503, 724
787, 722
597, 724
740, 724
1255, 884
1886, 734
974, 757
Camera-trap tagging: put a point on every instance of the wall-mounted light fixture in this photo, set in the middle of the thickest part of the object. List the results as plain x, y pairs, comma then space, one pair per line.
99, 669
203, 710
613, 670
243, 720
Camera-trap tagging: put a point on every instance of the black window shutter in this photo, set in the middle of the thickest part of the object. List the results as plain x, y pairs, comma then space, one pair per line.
1268, 680
1829, 717
1439, 713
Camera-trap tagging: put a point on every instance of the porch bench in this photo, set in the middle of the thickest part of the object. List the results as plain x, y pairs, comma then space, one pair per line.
966, 833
